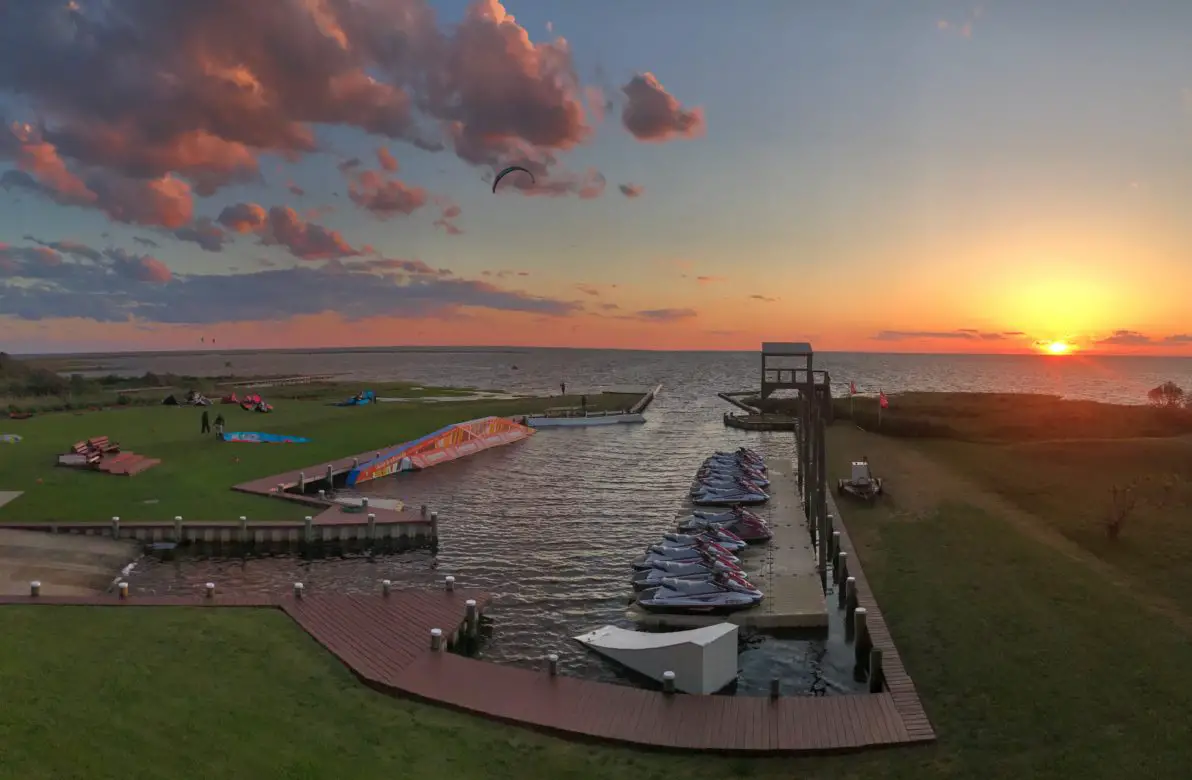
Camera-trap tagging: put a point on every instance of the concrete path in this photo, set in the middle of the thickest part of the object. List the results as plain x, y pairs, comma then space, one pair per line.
65, 564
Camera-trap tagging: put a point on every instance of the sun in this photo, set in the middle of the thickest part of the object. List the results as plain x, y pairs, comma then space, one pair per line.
1057, 348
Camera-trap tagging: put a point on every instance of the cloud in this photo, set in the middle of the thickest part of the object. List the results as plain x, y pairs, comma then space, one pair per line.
294, 189
1127, 338
386, 160
37, 282
385, 196
709, 279
282, 226
665, 315
961, 334
763, 298
588, 289
1181, 338
203, 232
653, 114
631, 190
449, 211
138, 107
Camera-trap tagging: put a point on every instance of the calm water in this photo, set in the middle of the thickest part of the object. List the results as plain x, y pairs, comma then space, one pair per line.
550, 525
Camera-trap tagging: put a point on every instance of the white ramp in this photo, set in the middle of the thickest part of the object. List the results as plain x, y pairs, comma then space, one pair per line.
704, 660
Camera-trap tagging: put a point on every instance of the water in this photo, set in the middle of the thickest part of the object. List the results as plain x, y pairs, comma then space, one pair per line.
550, 525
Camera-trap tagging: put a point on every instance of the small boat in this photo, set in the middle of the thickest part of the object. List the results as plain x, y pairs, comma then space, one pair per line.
724, 593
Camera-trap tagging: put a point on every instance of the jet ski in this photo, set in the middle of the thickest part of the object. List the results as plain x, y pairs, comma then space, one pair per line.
681, 570
723, 593
726, 539
741, 494
728, 483
744, 453
701, 552
747, 526
722, 472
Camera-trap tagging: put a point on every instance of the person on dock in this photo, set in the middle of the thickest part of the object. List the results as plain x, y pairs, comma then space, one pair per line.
206, 422
219, 426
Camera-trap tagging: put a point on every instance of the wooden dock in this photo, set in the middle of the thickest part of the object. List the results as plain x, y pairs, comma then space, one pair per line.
784, 568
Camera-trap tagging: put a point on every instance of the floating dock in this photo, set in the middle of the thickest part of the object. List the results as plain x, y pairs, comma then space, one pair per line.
784, 568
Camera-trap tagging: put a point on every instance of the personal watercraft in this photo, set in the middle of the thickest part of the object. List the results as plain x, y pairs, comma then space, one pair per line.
729, 472
695, 554
747, 526
713, 496
682, 570
725, 483
726, 539
723, 593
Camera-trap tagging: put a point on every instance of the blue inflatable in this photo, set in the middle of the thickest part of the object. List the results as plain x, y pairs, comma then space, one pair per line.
246, 437
360, 399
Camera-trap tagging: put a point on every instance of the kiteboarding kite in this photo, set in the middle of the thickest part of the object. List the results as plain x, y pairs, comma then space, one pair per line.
511, 169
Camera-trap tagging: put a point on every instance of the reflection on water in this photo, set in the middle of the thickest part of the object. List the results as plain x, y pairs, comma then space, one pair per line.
549, 526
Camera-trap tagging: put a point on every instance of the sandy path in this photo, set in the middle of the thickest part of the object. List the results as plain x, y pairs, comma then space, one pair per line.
918, 483
65, 564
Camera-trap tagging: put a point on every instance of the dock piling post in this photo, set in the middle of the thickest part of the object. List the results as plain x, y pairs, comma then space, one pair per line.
834, 550
386, 586
330, 476
436, 639
434, 525
308, 528
301, 481
364, 503
115, 527
423, 510
861, 641
281, 488
471, 616
210, 588
775, 687
123, 588
450, 582
355, 463
298, 588
322, 495
552, 665
850, 597
35, 588
668, 682
372, 526
177, 529
876, 675
243, 529
840, 573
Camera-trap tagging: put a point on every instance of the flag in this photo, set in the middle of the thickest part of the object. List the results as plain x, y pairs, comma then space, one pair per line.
882, 401
852, 388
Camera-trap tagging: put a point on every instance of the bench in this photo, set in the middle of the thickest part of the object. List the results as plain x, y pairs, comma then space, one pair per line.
103, 445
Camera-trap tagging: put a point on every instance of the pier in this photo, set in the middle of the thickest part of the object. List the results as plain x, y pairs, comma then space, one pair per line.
784, 568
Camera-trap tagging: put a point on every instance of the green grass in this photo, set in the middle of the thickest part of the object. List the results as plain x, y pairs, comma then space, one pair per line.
197, 471
1029, 665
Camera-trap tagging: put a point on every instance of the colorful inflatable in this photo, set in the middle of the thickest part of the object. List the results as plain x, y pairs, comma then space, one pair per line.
245, 437
255, 403
454, 441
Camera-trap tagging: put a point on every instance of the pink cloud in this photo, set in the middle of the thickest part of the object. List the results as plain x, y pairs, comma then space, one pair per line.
386, 159
653, 114
631, 190
384, 196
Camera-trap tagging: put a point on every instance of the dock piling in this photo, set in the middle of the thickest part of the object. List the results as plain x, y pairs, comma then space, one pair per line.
471, 616
876, 677
552, 665
115, 527
862, 644
834, 550
386, 586
298, 588
355, 463
850, 597
177, 529
364, 503
840, 573
301, 481
35, 588
434, 525
372, 526
308, 528
450, 582
423, 510
322, 494
330, 476
436, 639
210, 588
281, 488
123, 588
775, 687
243, 529
668, 682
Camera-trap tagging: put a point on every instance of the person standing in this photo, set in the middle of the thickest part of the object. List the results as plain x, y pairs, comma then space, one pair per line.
206, 422
562, 388
219, 426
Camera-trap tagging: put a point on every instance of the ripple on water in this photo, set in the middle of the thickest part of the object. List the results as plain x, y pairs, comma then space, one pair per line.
549, 526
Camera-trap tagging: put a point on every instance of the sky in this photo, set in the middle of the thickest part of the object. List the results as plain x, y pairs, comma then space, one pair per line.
869, 175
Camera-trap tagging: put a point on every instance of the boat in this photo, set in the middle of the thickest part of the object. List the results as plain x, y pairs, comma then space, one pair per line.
747, 526
732, 462
658, 553
652, 578
711, 496
724, 593
730, 483
722, 473
703, 660
726, 539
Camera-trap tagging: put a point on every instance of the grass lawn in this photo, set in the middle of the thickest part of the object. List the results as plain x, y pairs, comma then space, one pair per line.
197, 471
1029, 663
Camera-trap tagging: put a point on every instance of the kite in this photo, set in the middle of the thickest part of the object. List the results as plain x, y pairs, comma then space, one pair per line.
511, 169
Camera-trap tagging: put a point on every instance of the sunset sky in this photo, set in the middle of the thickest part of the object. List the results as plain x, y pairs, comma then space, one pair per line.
870, 175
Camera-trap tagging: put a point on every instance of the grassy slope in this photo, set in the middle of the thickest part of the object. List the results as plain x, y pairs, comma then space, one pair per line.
197, 471
1030, 666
